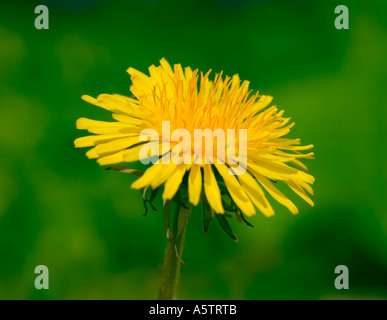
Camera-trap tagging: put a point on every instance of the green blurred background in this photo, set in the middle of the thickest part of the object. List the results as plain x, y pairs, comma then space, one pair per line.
59, 209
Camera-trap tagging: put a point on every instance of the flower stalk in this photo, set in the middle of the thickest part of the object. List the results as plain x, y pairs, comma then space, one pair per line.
172, 258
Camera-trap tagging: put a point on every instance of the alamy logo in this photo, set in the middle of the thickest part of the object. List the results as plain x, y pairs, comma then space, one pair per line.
230, 147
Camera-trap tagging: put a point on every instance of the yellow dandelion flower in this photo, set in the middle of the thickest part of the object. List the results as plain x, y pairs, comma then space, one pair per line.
191, 101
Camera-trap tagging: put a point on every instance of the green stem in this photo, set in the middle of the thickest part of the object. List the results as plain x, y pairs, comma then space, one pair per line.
172, 258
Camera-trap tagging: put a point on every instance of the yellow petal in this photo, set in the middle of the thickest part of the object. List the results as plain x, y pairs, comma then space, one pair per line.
236, 191
84, 123
112, 103
164, 175
141, 86
135, 155
299, 164
155, 175
89, 141
128, 120
147, 177
258, 169
133, 71
279, 171
188, 74
194, 184
118, 105
211, 190
173, 182
103, 127
307, 187
276, 194
299, 191
92, 154
256, 194
130, 155
166, 67
116, 145
262, 103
